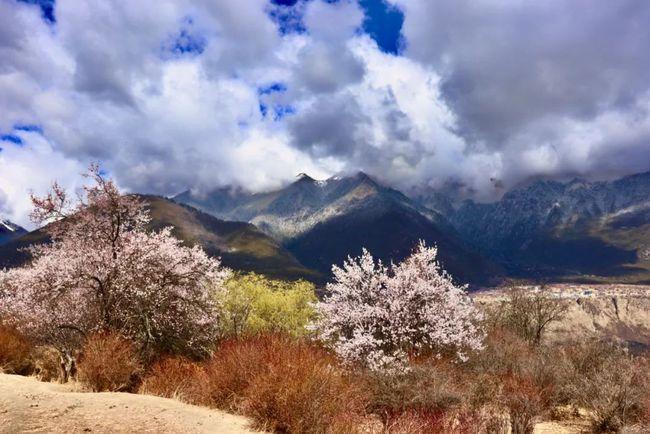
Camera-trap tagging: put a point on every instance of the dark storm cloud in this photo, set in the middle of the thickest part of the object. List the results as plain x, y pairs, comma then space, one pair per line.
506, 65
331, 127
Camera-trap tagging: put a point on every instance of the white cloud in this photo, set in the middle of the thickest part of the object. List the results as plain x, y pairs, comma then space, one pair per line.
31, 168
479, 96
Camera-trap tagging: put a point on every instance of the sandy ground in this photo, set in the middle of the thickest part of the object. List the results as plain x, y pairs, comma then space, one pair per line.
558, 428
30, 406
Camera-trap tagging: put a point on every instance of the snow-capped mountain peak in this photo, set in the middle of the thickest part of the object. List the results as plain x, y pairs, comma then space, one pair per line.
8, 225
9, 231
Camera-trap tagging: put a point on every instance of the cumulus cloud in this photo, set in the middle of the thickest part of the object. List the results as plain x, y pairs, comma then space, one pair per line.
176, 94
521, 75
31, 166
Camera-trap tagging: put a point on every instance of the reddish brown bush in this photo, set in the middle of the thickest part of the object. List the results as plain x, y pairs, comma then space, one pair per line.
524, 399
608, 382
177, 378
514, 375
14, 352
485, 420
47, 363
108, 362
285, 386
460, 420
232, 368
426, 391
416, 422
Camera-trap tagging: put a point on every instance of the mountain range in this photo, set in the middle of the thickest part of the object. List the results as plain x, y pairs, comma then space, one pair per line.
322, 222
543, 230
576, 230
240, 245
9, 231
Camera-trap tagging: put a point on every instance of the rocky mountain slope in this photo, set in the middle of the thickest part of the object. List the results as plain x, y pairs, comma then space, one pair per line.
322, 222
9, 231
574, 230
240, 245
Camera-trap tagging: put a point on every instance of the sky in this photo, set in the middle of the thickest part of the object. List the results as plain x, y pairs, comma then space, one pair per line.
475, 96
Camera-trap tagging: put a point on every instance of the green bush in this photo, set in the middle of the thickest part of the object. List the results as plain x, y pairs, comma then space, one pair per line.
253, 304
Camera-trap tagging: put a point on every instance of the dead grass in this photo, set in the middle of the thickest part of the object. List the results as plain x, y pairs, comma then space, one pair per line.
286, 386
611, 384
108, 362
15, 352
47, 365
177, 378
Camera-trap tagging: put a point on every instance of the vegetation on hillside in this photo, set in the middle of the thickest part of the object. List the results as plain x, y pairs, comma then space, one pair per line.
394, 349
253, 304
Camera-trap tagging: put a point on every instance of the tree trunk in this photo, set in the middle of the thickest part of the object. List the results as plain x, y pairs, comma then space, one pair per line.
67, 367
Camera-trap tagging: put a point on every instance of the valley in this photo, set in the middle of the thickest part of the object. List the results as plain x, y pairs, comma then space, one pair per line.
612, 311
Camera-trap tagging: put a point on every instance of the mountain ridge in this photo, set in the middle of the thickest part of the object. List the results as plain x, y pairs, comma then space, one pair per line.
572, 230
240, 245
322, 222
9, 231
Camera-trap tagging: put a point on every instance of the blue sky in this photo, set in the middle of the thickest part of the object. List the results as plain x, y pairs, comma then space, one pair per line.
382, 22
481, 95
47, 8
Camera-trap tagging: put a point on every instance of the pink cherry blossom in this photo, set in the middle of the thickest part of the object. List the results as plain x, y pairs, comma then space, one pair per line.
104, 270
378, 315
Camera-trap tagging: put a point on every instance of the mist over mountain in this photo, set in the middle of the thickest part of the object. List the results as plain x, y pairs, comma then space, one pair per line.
322, 222
572, 230
545, 229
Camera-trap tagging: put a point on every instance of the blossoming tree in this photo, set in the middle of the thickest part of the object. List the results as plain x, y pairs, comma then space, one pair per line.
378, 315
103, 270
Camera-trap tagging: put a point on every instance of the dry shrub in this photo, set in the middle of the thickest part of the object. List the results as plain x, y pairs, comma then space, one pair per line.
505, 352
525, 400
461, 420
109, 362
425, 392
285, 386
235, 363
177, 378
14, 352
515, 375
416, 422
47, 363
485, 420
307, 394
437, 396
608, 382
528, 314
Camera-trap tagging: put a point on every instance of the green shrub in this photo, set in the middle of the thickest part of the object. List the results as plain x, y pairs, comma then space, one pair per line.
253, 304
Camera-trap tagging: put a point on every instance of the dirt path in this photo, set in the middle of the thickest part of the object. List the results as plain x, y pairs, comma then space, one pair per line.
30, 406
